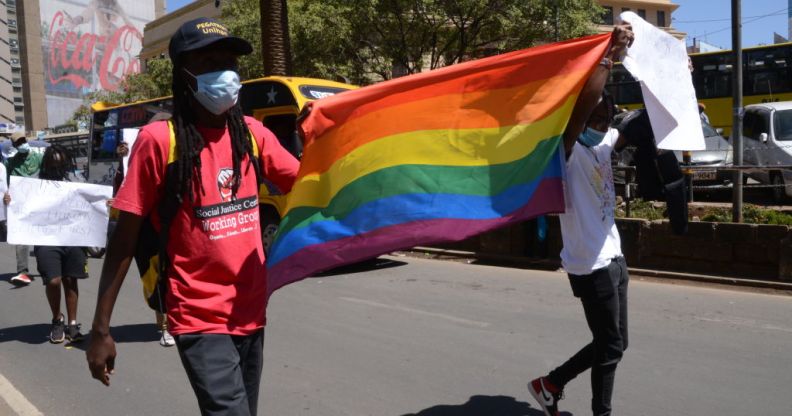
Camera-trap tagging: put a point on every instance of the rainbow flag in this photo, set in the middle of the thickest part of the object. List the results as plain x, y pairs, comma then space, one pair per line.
437, 156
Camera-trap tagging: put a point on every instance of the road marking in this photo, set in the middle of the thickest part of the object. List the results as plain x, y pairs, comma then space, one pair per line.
16, 401
751, 323
418, 312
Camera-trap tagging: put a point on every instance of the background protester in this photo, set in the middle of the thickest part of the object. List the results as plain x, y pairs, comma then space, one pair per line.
592, 254
122, 151
23, 163
60, 266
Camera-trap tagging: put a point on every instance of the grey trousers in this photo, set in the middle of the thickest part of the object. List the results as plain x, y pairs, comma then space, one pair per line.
224, 371
22, 254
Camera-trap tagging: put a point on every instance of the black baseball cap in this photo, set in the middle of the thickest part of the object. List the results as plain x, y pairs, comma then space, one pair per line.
203, 32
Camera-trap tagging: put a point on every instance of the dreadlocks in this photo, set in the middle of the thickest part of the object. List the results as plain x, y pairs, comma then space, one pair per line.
189, 141
56, 163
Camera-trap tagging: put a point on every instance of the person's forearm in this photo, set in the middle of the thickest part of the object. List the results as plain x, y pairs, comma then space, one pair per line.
113, 273
119, 255
587, 100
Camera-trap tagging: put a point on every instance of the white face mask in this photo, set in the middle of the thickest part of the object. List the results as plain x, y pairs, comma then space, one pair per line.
217, 91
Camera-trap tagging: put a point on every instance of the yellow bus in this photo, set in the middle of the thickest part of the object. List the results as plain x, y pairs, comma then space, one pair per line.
767, 77
275, 101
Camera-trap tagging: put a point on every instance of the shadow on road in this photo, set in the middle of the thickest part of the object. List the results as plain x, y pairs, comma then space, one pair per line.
363, 266
29, 334
39, 334
484, 406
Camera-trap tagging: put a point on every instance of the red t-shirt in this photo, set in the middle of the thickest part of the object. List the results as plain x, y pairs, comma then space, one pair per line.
217, 276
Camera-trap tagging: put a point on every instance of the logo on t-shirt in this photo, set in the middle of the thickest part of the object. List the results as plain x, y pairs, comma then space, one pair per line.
225, 183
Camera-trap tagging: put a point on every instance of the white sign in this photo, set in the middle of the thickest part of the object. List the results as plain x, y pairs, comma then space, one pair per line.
660, 62
55, 213
3, 190
129, 137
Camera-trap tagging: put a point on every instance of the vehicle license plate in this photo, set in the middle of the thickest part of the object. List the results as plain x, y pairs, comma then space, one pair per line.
704, 175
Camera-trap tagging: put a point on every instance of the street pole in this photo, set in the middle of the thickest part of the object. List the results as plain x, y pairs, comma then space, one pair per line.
737, 104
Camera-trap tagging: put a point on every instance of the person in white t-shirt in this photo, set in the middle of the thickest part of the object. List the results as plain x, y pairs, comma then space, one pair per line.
592, 254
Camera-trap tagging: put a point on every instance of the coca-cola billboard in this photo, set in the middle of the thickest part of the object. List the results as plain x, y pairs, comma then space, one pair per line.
89, 45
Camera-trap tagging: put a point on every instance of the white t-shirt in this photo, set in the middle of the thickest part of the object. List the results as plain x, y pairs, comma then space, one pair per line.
588, 229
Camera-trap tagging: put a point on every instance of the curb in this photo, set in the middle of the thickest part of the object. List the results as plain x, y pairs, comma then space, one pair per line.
555, 264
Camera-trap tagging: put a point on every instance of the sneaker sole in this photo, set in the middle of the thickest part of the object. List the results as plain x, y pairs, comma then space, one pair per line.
538, 399
19, 282
56, 341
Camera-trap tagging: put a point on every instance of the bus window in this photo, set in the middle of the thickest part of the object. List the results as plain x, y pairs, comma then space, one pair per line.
283, 126
712, 76
105, 136
767, 72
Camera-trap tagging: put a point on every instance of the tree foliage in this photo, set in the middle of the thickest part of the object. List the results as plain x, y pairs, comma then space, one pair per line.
371, 40
365, 41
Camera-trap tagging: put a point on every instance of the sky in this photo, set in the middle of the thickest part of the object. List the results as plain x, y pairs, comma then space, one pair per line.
708, 20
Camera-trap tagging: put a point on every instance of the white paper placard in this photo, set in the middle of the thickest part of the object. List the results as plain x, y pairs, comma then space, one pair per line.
129, 137
3, 190
55, 213
660, 62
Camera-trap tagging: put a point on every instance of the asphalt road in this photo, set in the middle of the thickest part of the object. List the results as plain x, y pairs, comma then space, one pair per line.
420, 337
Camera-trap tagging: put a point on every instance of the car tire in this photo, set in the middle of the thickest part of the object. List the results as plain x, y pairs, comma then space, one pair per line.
778, 191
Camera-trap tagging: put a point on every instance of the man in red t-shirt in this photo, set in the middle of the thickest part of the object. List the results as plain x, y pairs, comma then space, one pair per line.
216, 277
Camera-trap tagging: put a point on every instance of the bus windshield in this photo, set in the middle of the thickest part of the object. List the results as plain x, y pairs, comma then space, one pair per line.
275, 101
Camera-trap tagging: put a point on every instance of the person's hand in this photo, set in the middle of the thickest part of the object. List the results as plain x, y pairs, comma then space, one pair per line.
7, 198
110, 202
621, 38
101, 356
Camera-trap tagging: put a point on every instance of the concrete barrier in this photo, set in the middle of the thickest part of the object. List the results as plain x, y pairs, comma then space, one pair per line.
746, 251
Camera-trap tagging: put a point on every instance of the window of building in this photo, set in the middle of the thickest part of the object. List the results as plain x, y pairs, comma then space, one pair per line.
661, 18
12, 23
607, 16
642, 13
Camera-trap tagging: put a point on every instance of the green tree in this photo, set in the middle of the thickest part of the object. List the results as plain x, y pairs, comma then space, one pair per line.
243, 20
371, 40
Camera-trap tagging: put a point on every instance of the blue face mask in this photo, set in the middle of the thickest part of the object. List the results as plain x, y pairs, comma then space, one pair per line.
217, 91
23, 148
591, 137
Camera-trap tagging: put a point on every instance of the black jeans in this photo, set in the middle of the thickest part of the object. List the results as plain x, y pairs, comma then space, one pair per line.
224, 371
604, 297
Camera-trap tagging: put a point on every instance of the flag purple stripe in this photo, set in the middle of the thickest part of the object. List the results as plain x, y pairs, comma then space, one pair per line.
313, 259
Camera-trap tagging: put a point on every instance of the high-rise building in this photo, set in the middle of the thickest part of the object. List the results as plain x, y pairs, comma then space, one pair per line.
11, 106
656, 12
55, 52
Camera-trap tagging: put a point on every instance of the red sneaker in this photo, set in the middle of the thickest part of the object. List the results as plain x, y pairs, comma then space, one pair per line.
542, 390
22, 279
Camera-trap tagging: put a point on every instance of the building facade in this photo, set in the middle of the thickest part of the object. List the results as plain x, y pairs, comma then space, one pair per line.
55, 52
158, 32
656, 12
11, 106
